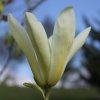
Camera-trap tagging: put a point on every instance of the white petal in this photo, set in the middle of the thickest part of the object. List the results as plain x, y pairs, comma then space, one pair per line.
39, 40
50, 40
78, 43
62, 39
25, 44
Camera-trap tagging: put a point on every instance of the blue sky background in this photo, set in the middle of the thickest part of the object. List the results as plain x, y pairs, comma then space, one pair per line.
52, 8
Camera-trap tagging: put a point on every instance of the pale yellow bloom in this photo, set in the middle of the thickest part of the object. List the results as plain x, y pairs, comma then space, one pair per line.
48, 57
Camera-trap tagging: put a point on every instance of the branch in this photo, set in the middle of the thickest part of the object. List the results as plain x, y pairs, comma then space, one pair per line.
4, 17
35, 6
8, 58
6, 64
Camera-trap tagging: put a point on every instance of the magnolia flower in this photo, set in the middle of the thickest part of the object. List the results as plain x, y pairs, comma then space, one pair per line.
48, 57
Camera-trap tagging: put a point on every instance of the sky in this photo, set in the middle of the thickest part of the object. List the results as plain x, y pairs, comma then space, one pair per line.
52, 8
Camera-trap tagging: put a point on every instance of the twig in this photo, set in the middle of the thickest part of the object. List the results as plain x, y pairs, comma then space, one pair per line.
6, 63
4, 17
35, 6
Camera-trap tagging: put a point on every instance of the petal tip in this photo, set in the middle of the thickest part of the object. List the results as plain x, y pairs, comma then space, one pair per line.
29, 15
89, 28
10, 16
69, 8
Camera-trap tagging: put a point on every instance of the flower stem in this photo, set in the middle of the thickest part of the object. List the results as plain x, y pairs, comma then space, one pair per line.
46, 94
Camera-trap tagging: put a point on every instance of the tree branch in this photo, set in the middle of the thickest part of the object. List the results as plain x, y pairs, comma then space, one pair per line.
6, 63
35, 6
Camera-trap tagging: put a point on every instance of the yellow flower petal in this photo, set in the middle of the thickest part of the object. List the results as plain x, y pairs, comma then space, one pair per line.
62, 39
50, 40
39, 41
78, 43
25, 44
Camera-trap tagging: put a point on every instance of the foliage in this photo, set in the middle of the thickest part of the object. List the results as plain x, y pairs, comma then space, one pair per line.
92, 56
17, 93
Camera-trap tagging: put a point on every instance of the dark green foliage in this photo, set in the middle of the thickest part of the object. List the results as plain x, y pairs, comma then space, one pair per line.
92, 56
16, 93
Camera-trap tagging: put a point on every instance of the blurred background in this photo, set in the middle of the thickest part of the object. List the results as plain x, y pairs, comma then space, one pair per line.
81, 80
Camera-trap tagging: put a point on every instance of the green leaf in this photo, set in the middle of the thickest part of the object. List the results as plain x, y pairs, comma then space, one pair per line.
39, 41
34, 86
25, 44
62, 39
